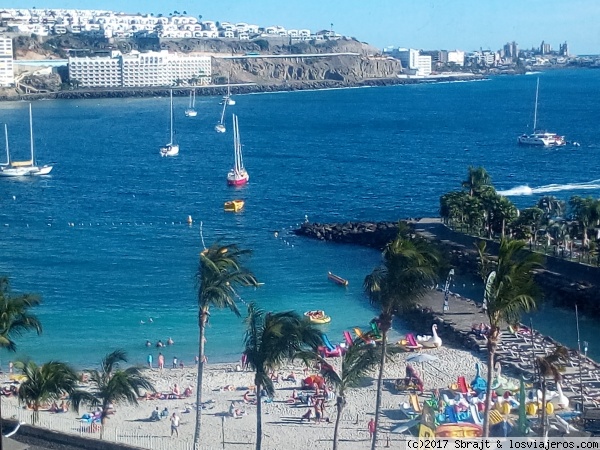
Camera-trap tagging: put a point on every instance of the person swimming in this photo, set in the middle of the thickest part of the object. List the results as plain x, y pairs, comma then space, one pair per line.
170, 341
148, 343
160, 343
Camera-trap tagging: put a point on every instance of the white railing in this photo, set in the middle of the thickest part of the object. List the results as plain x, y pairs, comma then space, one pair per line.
69, 426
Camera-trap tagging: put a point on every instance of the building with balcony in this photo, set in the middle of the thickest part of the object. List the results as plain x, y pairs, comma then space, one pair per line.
7, 75
139, 69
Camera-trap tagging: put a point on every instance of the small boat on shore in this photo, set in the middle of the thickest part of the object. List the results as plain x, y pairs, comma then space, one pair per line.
336, 279
317, 316
234, 205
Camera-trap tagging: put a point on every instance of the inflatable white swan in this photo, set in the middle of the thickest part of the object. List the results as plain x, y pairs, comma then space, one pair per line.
562, 400
430, 341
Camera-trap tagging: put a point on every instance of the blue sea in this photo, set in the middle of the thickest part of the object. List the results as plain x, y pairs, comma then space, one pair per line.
105, 242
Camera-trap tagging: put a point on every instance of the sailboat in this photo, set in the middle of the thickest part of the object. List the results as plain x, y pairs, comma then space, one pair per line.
171, 149
227, 98
23, 168
540, 138
191, 111
220, 127
237, 176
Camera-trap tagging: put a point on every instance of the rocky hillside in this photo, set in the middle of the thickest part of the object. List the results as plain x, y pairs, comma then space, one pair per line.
347, 69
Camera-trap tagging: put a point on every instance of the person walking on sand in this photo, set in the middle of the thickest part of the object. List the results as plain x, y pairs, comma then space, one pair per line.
174, 424
161, 361
175, 362
149, 361
371, 427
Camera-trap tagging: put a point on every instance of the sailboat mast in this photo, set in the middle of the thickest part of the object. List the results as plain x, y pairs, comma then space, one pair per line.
171, 140
235, 143
6, 139
537, 88
31, 133
223, 112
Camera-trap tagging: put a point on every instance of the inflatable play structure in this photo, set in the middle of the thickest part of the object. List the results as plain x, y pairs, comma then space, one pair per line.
317, 316
329, 350
430, 341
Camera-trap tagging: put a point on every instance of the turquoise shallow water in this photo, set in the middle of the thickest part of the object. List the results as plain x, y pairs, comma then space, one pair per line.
355, 154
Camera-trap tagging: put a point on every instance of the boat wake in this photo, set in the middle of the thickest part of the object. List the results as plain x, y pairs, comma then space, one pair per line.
526, 190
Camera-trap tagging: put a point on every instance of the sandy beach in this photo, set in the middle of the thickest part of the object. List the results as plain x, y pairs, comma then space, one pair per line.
282, 424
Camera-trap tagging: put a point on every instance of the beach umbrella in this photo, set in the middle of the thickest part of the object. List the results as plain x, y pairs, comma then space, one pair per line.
421, 358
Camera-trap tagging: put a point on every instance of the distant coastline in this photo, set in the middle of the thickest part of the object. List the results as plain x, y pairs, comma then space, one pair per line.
236, 90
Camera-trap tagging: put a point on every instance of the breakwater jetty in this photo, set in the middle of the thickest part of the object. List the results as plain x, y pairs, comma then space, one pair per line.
369, 234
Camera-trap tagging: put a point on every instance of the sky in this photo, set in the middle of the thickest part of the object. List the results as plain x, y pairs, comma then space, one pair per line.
422, 24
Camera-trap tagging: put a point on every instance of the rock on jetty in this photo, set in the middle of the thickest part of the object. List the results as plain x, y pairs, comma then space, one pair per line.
370, 234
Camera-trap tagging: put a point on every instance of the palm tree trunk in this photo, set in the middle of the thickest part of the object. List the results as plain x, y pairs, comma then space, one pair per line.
488, 389
340, 407
379, 386
202, 325
543, 406
258, 417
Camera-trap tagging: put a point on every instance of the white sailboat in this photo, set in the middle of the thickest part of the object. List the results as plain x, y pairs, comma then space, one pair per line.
540, 138
227, 98
171, 149
220, 127
237, 176
23, 168
191, 111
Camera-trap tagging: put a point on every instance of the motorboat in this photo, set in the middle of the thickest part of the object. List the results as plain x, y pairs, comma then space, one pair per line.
336, 279
238, 175
234, 205
171, 149
23, 168
540, 138
317, 316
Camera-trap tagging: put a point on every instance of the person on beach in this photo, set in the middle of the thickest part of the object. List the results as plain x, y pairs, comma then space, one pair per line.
149, 360
196, 359
174, 362
371, 427
174, 424
10, 367
176, 390
161, 361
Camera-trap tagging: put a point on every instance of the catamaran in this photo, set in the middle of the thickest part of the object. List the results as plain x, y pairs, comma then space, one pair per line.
238, 175
540, 138
171, 149
191, 110
220, 127
23, 168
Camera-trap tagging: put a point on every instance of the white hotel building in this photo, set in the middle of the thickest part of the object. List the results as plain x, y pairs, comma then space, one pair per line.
7, 76
139, 69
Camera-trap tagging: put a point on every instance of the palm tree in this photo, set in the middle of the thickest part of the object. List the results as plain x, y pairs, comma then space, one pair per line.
219, 273
509, 293
15, 319
549, 366
112, 384
45, 383
477, 178
586, 211
408, 270
270, 340
360, 358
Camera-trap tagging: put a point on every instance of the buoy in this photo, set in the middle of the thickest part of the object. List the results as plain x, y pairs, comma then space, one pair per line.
189, 220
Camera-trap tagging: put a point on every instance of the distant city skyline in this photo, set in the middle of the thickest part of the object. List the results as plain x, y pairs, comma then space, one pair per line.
456, 24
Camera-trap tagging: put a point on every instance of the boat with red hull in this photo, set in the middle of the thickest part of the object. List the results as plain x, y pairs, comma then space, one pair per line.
237, 176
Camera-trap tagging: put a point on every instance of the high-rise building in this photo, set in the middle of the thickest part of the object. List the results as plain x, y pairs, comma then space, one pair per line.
139, 69
545, 49
7, 75
564, 49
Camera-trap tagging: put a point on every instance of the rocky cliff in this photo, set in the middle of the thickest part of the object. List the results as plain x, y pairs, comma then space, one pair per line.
338, 68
